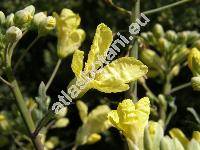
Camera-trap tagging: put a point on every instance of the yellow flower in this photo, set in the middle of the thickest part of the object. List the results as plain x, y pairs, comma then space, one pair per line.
194, 61
69, 36
131, 118
114, 77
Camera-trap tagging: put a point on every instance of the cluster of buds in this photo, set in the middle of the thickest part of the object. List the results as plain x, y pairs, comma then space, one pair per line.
43, 23
162, 50
154, 138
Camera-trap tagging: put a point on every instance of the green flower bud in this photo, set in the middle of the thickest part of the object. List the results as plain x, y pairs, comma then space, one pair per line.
22, 17
196, 44
9, 20
158, 31
166, 143
38, 18
61, 123
150, 58
182, 37
180, 56
192, 36
151, 38
171, 35
2, 18
164, 45
175, 70
13, 34
195, 81
47, 25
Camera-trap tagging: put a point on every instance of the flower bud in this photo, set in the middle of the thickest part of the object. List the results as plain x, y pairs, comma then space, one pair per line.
171, 36
194, 61
52, 142
197, 44
9, 20
150, 58
164, 45
175, 70
38, 18
182, 37
93, 138
22, 17
2, 18
195, 81
30, 9
180, 56
13, 34
61, 123
151, 38
47, 25
158, 31
192, 36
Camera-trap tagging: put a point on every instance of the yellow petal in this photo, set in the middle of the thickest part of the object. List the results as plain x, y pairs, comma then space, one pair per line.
102, 40
177, 133
113, 118
121, 71
77, 62
83, 110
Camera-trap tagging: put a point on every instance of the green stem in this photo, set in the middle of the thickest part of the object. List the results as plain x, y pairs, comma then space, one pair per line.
167, 85
6, 82
132, 93
165, 7
23, 109
180, 87
20, 102
25, 52
53, 74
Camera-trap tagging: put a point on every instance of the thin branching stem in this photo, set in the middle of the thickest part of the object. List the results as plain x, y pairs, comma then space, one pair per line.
53, 74
5, 81
25, 52
152, 11
180, 87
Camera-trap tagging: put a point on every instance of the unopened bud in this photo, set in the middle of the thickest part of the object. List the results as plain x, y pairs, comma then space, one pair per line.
47, 25
197, 44
195, 81
2, 18
192, 36
9, 20
30, 9
22, 17
182, 37
158, 31
164, 45
93, 138
194, 61
13, 34
150, 58
38, 18
180, 56
171, 35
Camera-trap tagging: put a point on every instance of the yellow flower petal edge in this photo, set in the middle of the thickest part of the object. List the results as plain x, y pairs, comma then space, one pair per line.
177, 133
77, 62
101, 42
113, 77
131, 118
